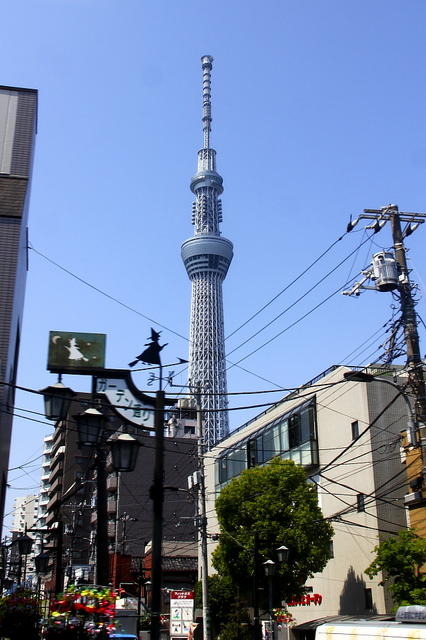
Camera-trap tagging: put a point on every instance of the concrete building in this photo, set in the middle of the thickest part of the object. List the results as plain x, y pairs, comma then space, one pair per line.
347, 437
129, 505
25, 513
18, 118
25, 518
43, 498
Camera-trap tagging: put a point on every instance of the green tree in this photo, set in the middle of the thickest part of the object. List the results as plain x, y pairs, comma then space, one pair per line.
224, 606
274, 504
400, 560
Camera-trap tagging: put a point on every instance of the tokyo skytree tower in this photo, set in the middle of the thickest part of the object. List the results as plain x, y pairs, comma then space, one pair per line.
207, 256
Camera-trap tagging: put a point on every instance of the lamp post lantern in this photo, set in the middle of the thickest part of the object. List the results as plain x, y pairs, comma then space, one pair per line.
124, 451
25, 544
42, 562
282, 553
90, 424
57, 400
269, 567
363, 376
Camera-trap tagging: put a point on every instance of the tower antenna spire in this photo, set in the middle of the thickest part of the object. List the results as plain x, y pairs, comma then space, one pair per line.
207, 256
206, 62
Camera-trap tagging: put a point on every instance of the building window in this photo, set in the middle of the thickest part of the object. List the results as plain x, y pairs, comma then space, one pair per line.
331, 550
291, 436
360, 502
355, 429
189, 430
368, 597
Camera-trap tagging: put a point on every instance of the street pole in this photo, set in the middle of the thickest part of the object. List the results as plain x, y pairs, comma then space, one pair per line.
414, 359
140, 581
271, 617
257, 632
59, 569
157, 495
202, 519
102, 556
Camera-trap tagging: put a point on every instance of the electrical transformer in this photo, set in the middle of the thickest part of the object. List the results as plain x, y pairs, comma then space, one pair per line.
385, 271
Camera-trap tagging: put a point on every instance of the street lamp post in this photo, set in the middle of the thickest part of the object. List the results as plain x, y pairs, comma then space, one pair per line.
363, 376
282, 555
57, 400
41, 566
269, 567
124, 448
25, 544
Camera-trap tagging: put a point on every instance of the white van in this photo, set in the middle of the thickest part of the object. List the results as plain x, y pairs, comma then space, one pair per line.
371, 630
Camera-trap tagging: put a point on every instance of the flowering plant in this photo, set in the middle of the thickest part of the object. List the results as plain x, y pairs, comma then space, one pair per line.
282, 614
19, 613
87, 600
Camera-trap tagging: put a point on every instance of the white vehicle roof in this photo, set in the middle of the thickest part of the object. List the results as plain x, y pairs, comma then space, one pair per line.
374, 629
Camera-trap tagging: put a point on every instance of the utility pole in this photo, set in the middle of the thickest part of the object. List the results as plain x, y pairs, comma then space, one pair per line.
202, 517
414, 360
257, 631
102, 554
390, 272
157, 495
412, 220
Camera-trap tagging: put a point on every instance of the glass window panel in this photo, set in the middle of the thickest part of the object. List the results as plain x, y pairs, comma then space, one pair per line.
236, 463
251, 453
223, 469
268, 445
294, 430
284, 435
276, 443
305, 454
259, 450
295, 455
306, 424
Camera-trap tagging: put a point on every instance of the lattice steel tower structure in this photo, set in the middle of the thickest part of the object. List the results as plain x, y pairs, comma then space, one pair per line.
207, 256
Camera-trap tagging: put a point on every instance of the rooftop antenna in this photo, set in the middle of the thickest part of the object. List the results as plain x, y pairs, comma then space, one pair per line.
206, 62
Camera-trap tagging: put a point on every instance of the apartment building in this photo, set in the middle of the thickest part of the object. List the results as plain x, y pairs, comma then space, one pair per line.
347, 436
18, 121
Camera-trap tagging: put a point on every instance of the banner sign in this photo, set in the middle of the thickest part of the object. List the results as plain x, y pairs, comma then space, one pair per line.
68, 350
306, 600
181, 613
125, 402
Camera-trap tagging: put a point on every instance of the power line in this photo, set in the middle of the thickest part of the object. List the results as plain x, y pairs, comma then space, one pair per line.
286, 287
304, 295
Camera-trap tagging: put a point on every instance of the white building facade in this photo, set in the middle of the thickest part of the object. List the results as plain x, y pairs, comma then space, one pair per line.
347, 437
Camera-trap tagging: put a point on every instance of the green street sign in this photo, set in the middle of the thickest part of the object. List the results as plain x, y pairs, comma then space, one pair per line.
68, 350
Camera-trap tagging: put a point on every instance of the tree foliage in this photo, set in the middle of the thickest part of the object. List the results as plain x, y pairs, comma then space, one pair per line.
228, 617
400, 560
273, 504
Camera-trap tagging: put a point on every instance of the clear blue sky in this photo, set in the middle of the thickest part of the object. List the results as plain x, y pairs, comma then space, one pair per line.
318, 112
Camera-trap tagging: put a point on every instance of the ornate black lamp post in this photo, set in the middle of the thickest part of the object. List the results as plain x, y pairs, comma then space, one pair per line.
269, 567
25, 544
363, 376
282, 553
41, 566
57, 400
42, 562
124, 451
124, 448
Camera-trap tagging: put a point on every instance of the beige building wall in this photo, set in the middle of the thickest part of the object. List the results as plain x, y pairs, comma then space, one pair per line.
371, 466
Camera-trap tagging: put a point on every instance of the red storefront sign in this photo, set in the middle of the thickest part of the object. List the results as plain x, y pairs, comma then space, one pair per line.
306, 600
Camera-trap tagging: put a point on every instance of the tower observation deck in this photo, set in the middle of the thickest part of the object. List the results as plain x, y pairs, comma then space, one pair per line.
207, 256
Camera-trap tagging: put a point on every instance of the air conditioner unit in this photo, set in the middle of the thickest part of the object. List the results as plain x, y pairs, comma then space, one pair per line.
413, 498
